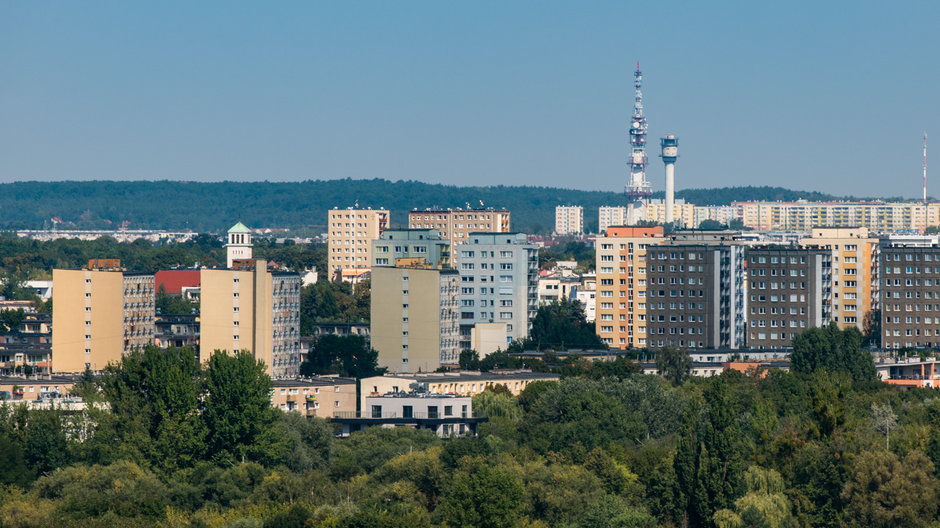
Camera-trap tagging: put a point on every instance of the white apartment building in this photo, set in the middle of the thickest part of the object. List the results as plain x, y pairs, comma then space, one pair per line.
498, 283
569, 220
610, 216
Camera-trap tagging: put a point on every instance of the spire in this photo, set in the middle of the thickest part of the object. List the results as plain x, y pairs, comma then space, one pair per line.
638, 188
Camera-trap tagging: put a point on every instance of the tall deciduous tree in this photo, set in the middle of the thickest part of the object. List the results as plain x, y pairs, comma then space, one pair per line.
763, 506
674, 364
348, 356
832, 349
482, 496
886, 492
562, 325
708, 460
154, 396
237, 408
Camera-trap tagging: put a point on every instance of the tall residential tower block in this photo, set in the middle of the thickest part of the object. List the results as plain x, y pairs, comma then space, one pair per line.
350, 234
621, 304
99, 314
251, 308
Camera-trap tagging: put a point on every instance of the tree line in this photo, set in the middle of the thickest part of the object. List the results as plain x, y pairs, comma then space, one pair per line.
169, 204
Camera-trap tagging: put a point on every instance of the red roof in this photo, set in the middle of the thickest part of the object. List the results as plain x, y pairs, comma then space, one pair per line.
172, 281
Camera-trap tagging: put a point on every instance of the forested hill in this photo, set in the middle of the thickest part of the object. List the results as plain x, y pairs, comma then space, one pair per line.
215, 206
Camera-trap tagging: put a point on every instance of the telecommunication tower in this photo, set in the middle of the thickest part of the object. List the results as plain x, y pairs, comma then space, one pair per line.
925, 168
639, 188
670, 153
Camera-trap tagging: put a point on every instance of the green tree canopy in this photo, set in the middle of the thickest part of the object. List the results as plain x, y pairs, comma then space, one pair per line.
562, 325
834, 350
348, 356
237, 406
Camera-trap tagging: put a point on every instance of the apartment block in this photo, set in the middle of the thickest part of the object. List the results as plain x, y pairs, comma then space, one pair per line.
350, 235
854, 277
498, 283
321, 396
404, 247
696, 296
99, 314
789, 291
455, 225
569, 220
414, 317
251, 308
910, 297
881, 217
608, 216
620, 297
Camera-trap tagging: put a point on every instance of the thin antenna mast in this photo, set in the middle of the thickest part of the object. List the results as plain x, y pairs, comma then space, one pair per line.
925, 168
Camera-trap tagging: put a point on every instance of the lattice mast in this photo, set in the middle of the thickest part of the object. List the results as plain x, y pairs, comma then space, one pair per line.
638, 189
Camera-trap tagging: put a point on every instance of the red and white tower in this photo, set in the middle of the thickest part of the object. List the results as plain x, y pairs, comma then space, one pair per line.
638, 189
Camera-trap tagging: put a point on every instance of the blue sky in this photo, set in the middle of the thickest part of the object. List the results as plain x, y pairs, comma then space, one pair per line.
829, 96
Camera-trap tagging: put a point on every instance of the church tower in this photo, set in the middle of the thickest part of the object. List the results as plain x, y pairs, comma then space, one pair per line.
239, 244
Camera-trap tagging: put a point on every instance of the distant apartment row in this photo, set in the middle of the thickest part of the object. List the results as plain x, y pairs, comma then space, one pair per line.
702, 289
879, 217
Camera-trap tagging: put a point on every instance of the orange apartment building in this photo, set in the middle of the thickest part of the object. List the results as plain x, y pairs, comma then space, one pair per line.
854, 282
621, 284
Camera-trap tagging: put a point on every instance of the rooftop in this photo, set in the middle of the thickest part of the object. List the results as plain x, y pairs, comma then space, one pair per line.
239, 228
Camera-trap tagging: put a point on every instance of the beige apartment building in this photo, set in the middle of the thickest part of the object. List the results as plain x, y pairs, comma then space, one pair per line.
251, 308
456, 225
99, 314
350, 234
879, 217
414, 322
621, 306
321, 396
854, 283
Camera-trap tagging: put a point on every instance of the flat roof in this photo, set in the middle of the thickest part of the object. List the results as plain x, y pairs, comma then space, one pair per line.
476, 376
309, 382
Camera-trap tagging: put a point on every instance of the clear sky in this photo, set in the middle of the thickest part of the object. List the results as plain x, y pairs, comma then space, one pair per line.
829, 96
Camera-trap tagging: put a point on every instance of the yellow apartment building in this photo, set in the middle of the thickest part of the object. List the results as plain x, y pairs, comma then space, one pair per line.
621, 284
854, 253
98, 314
251, 308
350, 234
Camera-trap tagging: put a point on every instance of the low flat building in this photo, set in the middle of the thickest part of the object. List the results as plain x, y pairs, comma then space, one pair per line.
910, 373
36, 389
322, 396
445, 414
459, 383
